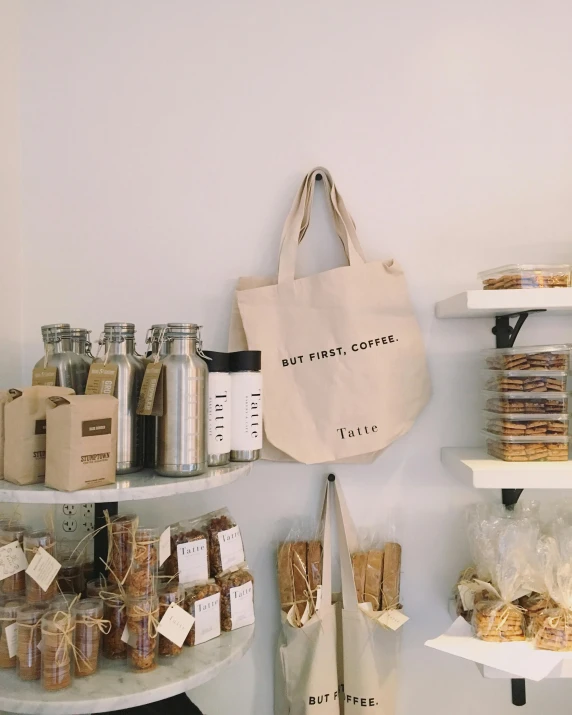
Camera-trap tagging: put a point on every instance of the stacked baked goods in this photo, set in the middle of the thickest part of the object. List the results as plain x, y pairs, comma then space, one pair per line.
377, 576
525, 416
118, 616
300, 579
520, 275
520, 586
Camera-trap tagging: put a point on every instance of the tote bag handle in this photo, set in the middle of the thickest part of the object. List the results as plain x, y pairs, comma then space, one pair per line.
326, 519
347, 540
298, 221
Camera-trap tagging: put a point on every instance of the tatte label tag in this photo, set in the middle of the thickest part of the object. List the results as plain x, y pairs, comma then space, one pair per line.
242, 605
192, 561
393, 619
43, 569
12, 560
207, 618
231, 548
176, 624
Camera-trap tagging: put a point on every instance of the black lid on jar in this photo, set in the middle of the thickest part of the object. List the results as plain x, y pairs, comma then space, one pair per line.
219, 362
246, 361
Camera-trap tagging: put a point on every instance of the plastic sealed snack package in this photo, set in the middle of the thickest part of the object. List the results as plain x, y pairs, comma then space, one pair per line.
15, 585
142, 622
89, 626
57, 643
510, 543
189, 558
226, 549
120, 546
202, 601
115, 613
299, 566
142, 575
28, 655
8, 617
554, 624
236, 599
33, 541
170, 593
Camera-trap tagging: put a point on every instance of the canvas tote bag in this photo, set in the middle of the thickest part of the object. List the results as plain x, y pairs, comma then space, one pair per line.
343, 360
369, 652
306, 671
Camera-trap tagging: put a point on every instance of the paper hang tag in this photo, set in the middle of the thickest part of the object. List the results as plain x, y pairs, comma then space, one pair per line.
129, 638
43, 569
176, 624
318, 598
192, 561
47, 376
467, 597
11, 633
151, 395
12, 560
306, 615
393, 619
101, 379
164, 546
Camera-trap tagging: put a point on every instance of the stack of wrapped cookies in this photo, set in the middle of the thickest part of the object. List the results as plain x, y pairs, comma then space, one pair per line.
525, 417
520, 586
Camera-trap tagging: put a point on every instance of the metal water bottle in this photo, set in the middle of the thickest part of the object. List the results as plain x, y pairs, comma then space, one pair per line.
72, 369
157, 345
80, 343
219, 408
182, 428
246, 401
119, 346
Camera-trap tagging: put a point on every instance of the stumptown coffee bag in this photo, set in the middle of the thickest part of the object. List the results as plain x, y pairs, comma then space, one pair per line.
25, 433
5, 397
82, 441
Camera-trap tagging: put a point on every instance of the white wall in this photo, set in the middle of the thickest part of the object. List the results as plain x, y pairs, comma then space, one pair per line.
162, 145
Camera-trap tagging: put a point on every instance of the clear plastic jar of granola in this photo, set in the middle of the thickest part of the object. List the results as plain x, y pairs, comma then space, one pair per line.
32, 542
94, 587
8, 616
171, 593
142, 578
57, 641
28, 656
114, 611
142, 622
15, 585
120, 535
70, 577
89, 625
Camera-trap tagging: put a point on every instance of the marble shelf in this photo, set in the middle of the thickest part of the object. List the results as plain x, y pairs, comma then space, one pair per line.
115, 687
482, 303
129, 487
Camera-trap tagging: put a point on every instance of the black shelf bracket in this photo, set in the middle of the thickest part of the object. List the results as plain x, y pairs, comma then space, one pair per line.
518, 688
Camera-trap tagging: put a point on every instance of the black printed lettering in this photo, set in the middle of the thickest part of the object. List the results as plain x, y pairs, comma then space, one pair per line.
391, 339
285, 363
363, 702
355, 347
384, 341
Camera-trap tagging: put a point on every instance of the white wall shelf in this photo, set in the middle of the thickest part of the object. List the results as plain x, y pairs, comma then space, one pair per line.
483, 303
474, 466
115, 687
140, 485
562, 670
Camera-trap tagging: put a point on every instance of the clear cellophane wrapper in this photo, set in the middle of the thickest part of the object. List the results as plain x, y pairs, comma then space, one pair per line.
172, 592
142, 622
184, 532
8, 616
32, 542
115, 612
57, 644
299, 564
554, 623
506, 551
28, 655
15, 585
142, 576
89, 626
120, 540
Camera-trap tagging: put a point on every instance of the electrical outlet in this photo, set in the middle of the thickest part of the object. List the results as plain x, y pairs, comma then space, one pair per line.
70, 509
73, 523
69, 525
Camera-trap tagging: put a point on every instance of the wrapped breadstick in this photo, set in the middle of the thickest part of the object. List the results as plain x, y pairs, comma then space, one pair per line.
373, 577
359, 564
391, 576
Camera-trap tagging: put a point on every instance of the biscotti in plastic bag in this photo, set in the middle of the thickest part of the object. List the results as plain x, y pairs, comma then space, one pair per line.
236, 599
226, 549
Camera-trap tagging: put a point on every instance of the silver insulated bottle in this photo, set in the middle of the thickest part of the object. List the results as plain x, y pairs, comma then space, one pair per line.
80, 343
182, 428
119, 347
157, 345
72, 369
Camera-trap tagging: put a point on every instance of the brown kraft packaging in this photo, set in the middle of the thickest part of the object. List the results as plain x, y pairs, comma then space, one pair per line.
5, 397
373, 576
82, 441
25, 433
359, 564
391, 576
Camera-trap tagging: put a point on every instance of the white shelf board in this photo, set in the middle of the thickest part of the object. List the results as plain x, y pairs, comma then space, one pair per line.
474, 466
116, 687
482, 303
562, 670
128, 487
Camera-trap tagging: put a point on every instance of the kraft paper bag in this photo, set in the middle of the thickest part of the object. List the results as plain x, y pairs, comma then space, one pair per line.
81, 441
25, 433
306, 669
368, 651
4, 398
343, 360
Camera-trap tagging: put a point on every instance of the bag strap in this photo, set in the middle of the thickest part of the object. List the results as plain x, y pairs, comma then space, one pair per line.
347, 539
326, 519
298, 221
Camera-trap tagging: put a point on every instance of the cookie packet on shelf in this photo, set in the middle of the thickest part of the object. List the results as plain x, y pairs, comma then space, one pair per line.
299, 568
203, 602
225, 545
189, 557
507, 547
236, 598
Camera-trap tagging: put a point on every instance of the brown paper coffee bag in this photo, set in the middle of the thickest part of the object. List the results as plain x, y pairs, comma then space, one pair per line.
5, 397
25, 433
82, 441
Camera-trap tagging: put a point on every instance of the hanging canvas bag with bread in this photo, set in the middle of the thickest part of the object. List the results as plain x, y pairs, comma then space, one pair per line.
343, 361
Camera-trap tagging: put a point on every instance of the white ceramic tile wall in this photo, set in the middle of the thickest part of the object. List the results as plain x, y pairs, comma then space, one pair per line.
162, 144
